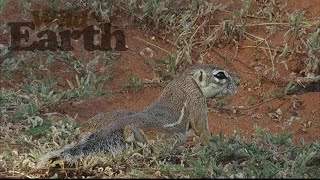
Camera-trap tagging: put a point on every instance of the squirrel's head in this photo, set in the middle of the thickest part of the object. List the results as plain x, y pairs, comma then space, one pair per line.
214, 81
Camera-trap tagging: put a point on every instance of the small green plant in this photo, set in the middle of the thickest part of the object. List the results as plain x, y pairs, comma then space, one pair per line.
40, 129
133, 82
250, 101
109, 57
88, 83
289, 88
221, 104
170, 69
25, 110
86, 86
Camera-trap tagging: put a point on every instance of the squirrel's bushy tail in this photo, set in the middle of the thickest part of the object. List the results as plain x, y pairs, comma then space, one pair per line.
93, 143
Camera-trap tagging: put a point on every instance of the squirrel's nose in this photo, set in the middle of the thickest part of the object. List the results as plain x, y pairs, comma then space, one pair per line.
236, 81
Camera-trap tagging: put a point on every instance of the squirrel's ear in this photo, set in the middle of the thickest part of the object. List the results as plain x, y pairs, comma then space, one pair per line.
199, 76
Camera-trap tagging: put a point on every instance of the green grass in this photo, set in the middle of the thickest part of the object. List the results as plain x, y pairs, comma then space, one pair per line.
133, 82
266, 156
41, 129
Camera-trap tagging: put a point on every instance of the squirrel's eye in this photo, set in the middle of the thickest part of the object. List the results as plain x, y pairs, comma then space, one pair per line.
220, 75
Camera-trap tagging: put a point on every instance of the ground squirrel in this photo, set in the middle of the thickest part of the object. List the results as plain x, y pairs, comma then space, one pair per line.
181, 106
